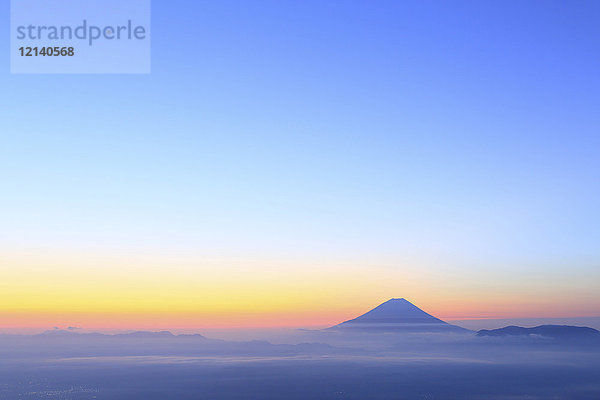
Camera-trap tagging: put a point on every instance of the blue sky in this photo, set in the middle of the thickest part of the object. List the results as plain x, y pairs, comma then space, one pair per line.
466, 130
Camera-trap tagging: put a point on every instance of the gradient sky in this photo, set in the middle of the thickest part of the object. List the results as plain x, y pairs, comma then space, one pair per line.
297, 163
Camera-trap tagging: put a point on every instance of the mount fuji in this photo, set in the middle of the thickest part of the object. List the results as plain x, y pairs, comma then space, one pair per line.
397, 315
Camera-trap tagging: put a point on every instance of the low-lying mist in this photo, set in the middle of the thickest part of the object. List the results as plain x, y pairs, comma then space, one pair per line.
314, 364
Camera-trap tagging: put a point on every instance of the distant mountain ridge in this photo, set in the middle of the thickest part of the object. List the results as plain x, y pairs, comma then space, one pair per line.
398, 315
560, 332
161, 335
63, 343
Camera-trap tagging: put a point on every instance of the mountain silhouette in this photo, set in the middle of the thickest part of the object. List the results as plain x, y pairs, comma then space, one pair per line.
398, 315
134, 336
558, 332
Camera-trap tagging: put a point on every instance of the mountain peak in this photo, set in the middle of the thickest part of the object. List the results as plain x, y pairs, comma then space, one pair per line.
396, 311
394, 314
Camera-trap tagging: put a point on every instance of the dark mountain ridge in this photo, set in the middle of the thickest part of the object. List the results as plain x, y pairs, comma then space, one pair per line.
558, 332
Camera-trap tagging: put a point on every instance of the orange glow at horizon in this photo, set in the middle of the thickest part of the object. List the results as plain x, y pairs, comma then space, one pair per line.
293, 318
135, 292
